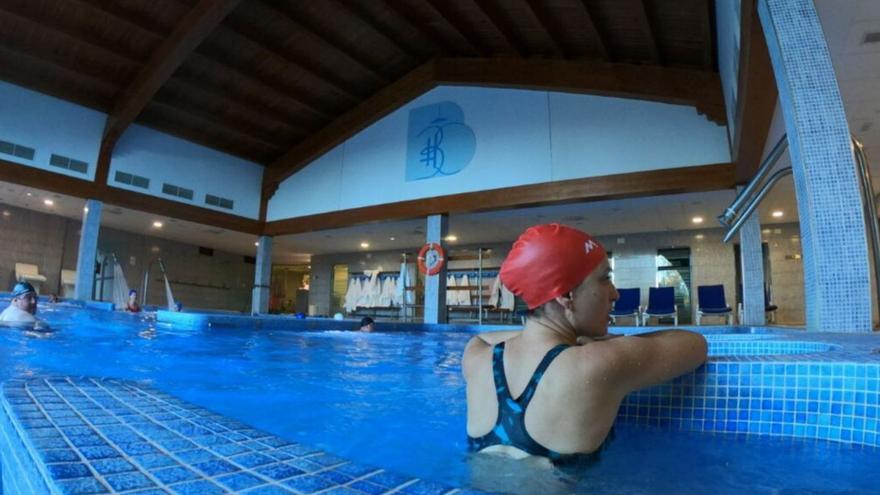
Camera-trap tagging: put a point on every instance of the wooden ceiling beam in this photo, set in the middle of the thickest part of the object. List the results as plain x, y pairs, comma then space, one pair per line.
700, 178
339, 44
600, 44
756, 95
357, 10
195, 26
679, 86
459, 24
370, 110
548, 25
644, 20
499, 20
426, 30
70, 186
261, 39
113, 8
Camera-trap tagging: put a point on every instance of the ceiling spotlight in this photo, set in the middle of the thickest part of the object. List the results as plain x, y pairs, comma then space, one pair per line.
157, 224
697, 219
257, 243
86, 209
777, 214
451, 238
390, 238
48, 202
365, 245
29, 194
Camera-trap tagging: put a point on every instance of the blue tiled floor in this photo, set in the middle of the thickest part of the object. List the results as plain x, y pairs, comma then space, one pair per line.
109, 436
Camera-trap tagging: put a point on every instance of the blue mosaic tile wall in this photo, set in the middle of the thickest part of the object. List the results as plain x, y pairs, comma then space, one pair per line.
108, 436
820, 400
752, 261
837, 294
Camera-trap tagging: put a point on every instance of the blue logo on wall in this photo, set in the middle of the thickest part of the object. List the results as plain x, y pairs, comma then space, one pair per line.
438, 141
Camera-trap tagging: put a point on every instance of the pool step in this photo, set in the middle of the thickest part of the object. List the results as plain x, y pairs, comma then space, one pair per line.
64, 435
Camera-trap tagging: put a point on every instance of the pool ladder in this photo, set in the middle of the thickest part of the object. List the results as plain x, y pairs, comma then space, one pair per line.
747, 200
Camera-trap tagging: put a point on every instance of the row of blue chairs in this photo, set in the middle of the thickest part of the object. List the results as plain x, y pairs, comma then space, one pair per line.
661, 304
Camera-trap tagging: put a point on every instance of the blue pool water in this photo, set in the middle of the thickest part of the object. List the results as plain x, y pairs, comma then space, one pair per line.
397, 401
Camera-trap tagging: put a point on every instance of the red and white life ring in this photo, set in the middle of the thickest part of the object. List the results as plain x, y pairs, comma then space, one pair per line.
431, 258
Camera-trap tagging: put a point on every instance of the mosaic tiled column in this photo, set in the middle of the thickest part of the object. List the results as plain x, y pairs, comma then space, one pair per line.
88, 250
262, 276
752, 269
835, 250
435, 285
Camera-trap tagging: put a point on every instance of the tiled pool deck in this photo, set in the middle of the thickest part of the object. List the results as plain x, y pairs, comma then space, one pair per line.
83, 435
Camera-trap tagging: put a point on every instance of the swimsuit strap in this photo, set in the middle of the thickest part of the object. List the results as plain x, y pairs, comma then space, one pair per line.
502, 389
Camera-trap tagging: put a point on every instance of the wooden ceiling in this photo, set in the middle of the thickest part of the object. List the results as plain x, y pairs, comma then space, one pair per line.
266, 79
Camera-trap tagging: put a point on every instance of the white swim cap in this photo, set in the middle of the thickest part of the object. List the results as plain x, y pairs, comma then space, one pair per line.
338, 316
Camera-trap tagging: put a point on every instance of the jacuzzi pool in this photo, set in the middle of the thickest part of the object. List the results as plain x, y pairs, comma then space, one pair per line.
396, 400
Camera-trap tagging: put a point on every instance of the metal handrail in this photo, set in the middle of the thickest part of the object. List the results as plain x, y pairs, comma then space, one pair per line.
866, 189
732, 211
869, 206
741, 219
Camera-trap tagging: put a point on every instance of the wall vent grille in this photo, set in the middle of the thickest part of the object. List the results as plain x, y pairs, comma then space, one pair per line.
17, 150
178, 191
218, 201
69, 163
132, 180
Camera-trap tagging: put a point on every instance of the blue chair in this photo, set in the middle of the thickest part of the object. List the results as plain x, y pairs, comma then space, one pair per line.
661, 302
627, 305
712, 303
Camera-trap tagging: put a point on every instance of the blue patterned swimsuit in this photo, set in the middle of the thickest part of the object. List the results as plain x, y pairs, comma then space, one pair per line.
510, 428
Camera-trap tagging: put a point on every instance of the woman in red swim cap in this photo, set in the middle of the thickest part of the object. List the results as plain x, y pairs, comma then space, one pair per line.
553, 388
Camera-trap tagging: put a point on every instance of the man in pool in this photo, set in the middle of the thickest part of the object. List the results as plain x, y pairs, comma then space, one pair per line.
132, 305
553, 389
367, 324
23, 306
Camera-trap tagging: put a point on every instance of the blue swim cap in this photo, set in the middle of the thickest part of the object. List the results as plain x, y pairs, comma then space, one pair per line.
22, 288
132, 291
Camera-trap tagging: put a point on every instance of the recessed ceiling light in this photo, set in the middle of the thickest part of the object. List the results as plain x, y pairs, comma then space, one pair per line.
777, 214
365, 245
390, 238
451, 238
157, 224
697, 219
699, 236
29, 194
6, 213
86, 209
257, 243
48, 202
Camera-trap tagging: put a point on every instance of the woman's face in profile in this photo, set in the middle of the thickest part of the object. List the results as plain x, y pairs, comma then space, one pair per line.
592, 302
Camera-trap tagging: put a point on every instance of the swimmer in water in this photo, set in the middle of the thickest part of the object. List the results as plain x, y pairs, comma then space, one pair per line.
553, 388
23, 306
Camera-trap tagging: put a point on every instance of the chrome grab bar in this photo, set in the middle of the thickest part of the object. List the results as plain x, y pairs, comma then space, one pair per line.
732, 211
866, 189
741, 219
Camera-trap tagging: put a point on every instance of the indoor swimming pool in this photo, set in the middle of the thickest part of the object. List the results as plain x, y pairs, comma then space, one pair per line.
395, 400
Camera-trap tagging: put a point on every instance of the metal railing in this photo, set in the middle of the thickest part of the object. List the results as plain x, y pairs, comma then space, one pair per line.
747, 201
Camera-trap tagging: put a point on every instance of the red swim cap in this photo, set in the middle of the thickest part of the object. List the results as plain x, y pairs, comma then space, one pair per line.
548, 261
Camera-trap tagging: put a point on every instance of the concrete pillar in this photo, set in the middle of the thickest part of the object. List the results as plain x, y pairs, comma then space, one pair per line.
435, 285
88, 250
262, 276
751, 260
837, 280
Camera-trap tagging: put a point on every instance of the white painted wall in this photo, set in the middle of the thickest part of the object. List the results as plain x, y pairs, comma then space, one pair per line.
523, 137
727, 27
49, 125
164, 158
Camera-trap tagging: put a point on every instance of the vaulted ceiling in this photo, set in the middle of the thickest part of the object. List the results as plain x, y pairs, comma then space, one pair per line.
261, 79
